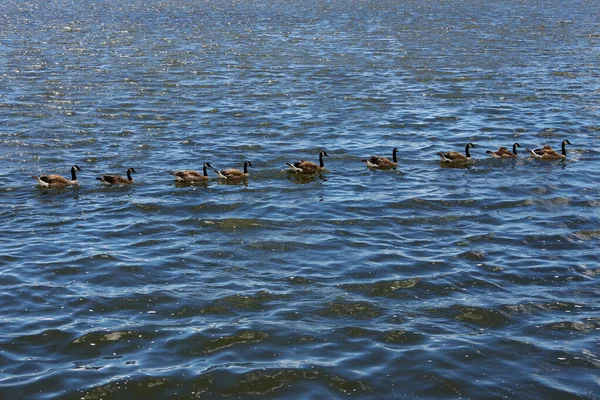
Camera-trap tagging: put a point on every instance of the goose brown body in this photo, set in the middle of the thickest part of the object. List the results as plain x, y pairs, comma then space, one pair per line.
378, 162
233, 174
190, 175
503, 152
548, 153
456, 157
308, 167
117, 179
58, 181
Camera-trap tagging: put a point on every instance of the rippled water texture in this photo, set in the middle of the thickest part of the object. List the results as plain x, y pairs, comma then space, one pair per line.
420, 282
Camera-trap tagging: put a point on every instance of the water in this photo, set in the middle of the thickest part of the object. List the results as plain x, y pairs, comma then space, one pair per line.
423, 282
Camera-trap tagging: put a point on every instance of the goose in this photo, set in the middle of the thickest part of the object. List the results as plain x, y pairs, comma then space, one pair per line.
307, 167
117, 179
455, 157
189, 175
548, 153
233, 174
504, 153
382, 162
57, 181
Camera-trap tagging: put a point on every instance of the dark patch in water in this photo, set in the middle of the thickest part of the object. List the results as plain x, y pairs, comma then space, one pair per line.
355, 309
238, 338
382, 288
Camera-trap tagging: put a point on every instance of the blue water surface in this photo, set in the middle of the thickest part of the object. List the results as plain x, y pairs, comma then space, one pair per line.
425, 281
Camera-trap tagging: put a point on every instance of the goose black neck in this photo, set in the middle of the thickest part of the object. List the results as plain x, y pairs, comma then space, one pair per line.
564, 149
321, 163
205, 172
394, 155
467, 151
74, 177
515, 149
246, 167
129, 178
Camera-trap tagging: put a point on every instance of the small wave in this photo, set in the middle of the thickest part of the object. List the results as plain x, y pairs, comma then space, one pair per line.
480, 316
354, 309
99, 337
382, 288
243, 337
255, 302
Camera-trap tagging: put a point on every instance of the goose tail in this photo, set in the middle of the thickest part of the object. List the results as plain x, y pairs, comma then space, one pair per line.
216, 171
101, 179
40, 181
293, 167
443, 156
533, 153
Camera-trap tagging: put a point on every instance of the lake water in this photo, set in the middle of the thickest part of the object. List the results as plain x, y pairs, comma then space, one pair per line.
421, 282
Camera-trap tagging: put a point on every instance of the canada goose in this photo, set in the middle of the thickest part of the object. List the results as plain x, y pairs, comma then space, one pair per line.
548, 153
233, 174
504, 153
57, 181
382, 162
189, 175
307, 167
456, 157
117, 179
